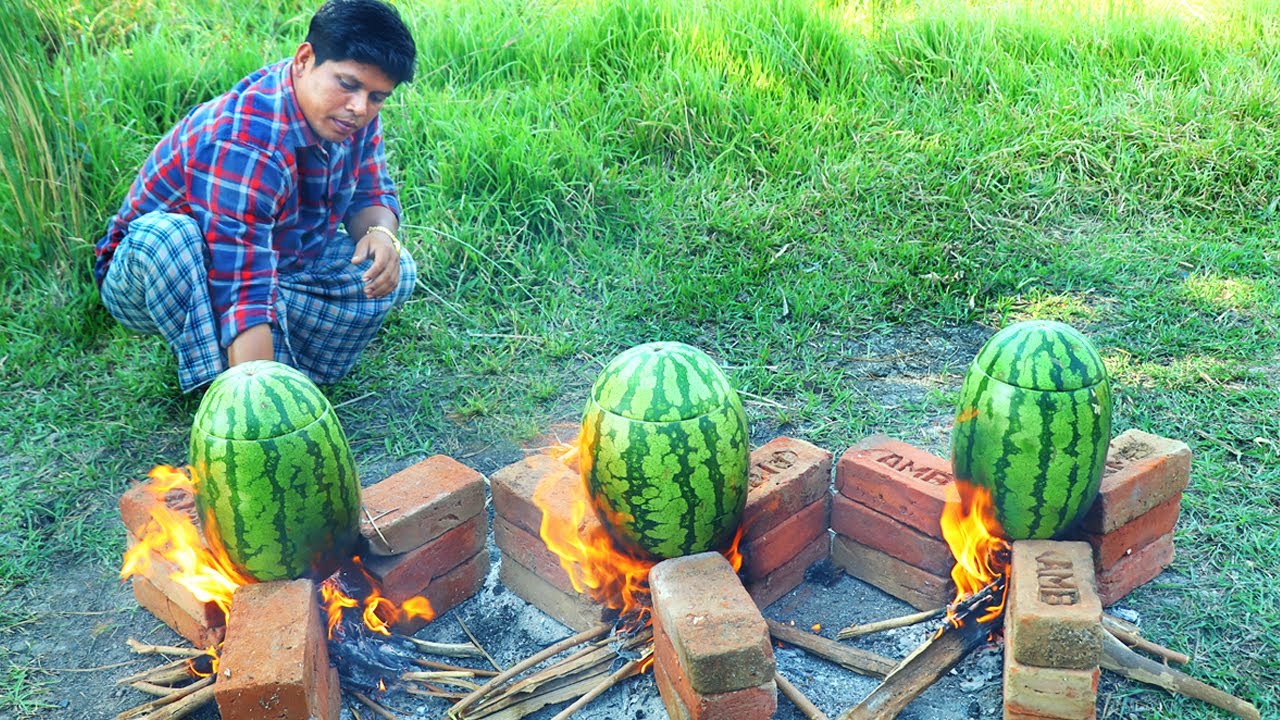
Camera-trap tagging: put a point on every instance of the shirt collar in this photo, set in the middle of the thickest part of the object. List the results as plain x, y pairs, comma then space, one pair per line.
300, 133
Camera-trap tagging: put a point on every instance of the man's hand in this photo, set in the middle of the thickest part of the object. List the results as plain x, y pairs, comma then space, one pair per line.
384, 274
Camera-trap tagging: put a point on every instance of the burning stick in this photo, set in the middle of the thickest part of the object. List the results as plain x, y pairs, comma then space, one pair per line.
859, 661
856, 630
1121, 660
797, 698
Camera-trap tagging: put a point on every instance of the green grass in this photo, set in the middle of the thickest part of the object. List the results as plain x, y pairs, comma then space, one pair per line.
774, 181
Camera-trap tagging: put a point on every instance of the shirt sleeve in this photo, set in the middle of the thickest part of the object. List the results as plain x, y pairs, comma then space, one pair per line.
236, 194
374, 185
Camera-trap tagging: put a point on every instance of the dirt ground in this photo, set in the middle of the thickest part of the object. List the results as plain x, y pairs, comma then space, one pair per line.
84, 614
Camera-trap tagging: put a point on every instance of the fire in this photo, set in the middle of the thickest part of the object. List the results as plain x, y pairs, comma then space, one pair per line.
976, 540
377, 611
596, 566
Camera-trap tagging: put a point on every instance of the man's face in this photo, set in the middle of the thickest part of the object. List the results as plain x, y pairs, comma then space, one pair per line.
338, 97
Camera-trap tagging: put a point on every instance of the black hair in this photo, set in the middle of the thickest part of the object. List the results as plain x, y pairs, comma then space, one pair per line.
366, 31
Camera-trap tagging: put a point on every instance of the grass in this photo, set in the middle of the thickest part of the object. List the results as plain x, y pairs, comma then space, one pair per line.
780, 182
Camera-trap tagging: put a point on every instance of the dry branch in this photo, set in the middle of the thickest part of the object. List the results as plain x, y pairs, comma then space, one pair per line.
161, 706
1119, 659
145, 649
859, 661
856, 630
480, 647
447, 649
377, 709
622, 673
433, 665
797, 698
1129, 635
167, 674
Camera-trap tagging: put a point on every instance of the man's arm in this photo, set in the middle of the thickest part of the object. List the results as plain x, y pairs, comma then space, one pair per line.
384, 274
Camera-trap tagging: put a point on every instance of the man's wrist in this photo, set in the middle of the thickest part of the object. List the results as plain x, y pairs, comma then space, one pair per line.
384, 230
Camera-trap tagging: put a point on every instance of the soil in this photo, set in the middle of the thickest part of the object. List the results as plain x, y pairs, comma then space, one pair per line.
75, 644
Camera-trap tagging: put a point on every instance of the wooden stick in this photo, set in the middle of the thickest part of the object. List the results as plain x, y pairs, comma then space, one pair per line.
919, 670
145, 649
146, 709
497, 680
476, 642
374, 523
617, 676
377, 709
1121, 660
512, 708
447, 649
443, 676
433, 691
797, 698
167, 674
152, 689
856, 630
432, 664
185, 706
859, 661
1135, 640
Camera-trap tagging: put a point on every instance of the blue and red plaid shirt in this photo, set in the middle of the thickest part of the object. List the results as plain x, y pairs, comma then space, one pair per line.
267, 192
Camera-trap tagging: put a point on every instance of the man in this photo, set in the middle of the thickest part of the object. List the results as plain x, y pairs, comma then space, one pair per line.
228, 243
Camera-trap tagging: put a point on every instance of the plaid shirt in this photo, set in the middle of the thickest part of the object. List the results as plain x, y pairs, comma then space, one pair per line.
266, 191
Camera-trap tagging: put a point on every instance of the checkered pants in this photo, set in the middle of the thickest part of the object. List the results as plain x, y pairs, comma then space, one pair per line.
158, 284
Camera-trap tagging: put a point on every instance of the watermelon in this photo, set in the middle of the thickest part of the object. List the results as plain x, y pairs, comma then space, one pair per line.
1032, 426
276, 486
665, 451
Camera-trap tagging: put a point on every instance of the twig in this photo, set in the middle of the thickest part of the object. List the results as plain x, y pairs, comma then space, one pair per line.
1121, 660
377, 709
448, 677
622, 673
856, 630
513, 708
447, 649
374, 524
797, 698
432, 664
476, 642
145, 649
146, 709
1134, 640
433, 691
514, 670
859, 661
185, 706
167, 674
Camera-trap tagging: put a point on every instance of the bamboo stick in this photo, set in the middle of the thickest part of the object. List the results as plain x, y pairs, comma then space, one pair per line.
856, 630
622, 673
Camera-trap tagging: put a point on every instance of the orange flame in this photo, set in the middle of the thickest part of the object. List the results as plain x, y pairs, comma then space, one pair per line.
378, 612
596, 565
976, 540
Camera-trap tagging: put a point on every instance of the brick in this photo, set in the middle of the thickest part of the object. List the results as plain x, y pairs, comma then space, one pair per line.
402, 576
768, 589
196, 627
786, 475
447, 591
1135, 570
1142, 471
784, 541
719, 637
1110, 548
678, 694
275, 661
529, 550
515, 486
1054, 605
897, 479
918, 588
137, 502
1041, 692
419, 504
573, 610
881, 532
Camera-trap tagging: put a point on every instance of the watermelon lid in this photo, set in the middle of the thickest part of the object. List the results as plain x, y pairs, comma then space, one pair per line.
259, 400
662, 382
1042, 355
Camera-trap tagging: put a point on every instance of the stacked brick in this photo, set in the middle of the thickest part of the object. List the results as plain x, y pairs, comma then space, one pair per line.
1130, 525
1053, 633
426, 529
713, 660
886, 512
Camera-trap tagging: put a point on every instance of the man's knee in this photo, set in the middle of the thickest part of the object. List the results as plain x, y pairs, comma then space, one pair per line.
168, 238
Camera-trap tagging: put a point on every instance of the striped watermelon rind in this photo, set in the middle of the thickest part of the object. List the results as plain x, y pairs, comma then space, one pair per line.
1033, 424
674, 485
276, 485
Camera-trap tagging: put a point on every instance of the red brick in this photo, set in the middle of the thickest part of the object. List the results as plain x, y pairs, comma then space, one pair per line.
897, 479
678, 694
402, 576
137, 502
529, 550
515, 486
1053, 605
275, 661
196, 627
719, 636
447, 591
786, 475
419, 504
159, 574
919, 588
766, 590
1134, 570
1037, 692
1142, 471
1110, 548
881, 532
571, 609
784, 541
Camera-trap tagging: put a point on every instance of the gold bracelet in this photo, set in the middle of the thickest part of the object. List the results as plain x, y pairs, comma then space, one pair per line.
395, 241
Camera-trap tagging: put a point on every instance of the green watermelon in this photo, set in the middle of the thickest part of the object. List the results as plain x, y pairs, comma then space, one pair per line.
665, 451
1032, 426
276, 486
